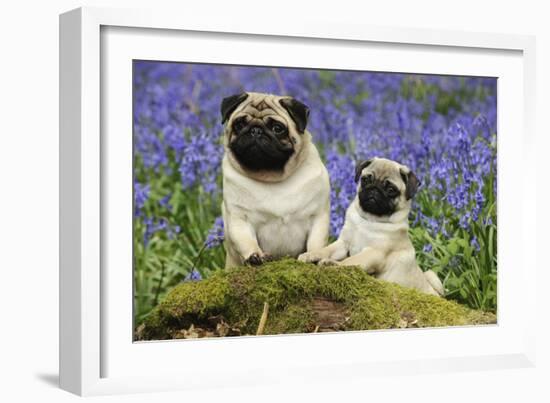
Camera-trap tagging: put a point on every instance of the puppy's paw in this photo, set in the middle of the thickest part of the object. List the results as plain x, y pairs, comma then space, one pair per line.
266, 257
257, 259
309, 257
328, 262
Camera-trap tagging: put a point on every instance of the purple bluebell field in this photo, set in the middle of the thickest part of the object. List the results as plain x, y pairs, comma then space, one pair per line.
443, 127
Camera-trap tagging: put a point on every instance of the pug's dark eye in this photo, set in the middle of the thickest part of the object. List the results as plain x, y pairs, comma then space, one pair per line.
391, 190
239, 124
278, 128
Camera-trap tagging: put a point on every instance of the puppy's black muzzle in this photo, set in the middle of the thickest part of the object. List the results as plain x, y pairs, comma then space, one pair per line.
373, 199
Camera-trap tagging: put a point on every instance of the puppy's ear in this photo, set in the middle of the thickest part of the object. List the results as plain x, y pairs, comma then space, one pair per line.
229, 105
297, 111
360, 166
412, 183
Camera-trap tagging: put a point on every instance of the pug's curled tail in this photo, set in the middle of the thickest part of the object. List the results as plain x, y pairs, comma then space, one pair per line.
435, 282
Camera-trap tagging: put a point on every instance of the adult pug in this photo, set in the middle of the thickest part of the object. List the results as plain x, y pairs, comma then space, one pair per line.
275, 187
375, 233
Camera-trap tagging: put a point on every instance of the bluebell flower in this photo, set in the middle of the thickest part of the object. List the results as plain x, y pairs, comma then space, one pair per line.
165, 202
149, 230
201, 161
153, 226
141, 195
474, 243
215, 235
343, 188
464, 221
193, 275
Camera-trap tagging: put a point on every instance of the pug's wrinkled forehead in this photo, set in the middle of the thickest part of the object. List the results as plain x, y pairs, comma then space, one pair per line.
262, 106
382, 169
254, 105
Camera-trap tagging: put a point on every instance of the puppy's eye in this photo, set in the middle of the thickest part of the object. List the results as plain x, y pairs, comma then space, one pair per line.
391, 190
278, 128
368, 179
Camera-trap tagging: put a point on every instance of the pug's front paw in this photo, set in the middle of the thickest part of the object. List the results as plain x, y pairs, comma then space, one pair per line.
328, 262
257, 259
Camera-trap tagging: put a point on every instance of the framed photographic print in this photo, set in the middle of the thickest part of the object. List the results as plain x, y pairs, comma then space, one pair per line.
233, 196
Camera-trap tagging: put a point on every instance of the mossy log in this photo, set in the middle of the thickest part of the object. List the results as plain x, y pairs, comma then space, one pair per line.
294, 297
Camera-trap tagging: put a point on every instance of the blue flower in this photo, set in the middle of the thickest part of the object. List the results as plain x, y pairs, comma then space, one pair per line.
200, 163
475, 244
165, 202
215, 235
141, 195
343, 188
464, 221
193, 275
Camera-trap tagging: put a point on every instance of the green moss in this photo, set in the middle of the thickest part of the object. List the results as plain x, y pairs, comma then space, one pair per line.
302, 298
293, 319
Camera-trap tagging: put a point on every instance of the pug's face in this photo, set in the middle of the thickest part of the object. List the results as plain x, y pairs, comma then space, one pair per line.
384, 186
263, 132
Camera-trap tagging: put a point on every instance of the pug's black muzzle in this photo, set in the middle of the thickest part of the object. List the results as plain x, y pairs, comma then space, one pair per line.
257, 149
374, 200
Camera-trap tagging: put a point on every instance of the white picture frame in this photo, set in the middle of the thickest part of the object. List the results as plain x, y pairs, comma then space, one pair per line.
91, 343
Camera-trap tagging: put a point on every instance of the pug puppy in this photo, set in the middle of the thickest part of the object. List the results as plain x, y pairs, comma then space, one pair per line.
275, 186
375, 233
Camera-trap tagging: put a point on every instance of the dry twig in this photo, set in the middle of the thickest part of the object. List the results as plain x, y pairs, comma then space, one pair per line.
263, 320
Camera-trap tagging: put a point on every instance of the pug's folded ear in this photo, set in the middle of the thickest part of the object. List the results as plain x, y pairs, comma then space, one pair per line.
297, 111
229, 105
412, 183
360, 166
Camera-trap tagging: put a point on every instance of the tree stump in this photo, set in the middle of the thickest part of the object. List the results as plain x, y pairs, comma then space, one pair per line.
301, 298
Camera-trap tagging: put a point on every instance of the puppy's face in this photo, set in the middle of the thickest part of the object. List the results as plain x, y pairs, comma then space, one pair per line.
384, 186
263, 132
